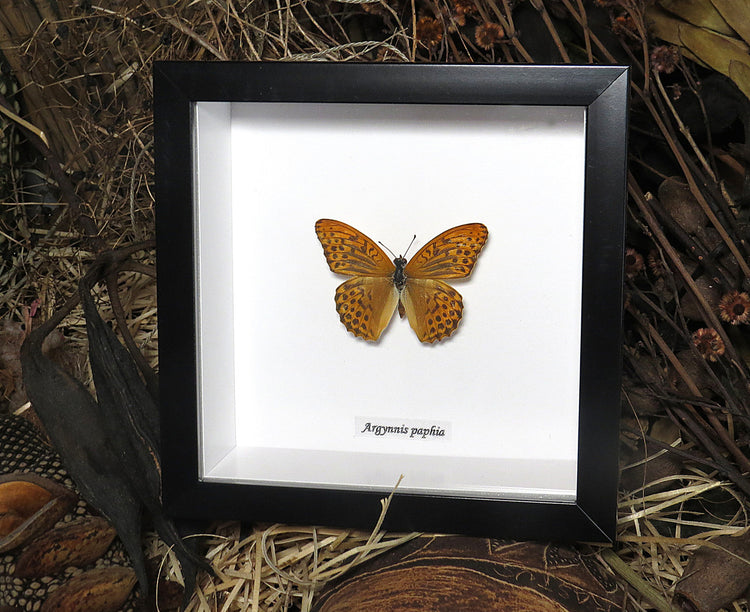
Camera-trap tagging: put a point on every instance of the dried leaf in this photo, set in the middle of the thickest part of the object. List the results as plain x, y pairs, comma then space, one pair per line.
735, 13
77, 429
701, 13
131, 415
667, 27
739, 72
681, 205
713, 49
107, 446
29, 505
98, 590
77, 544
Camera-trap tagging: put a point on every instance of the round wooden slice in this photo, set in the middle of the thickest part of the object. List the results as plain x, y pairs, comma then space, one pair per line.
458, 574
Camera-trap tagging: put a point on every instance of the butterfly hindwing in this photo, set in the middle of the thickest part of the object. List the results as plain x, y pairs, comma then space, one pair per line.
366, 304
451, 254
348, 251
433, 308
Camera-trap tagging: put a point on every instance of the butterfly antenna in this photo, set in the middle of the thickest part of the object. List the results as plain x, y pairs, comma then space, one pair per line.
412, 242
387, 249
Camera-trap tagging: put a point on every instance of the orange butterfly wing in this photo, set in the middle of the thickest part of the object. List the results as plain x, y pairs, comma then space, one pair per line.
433, 307
452, 254
365, 303
348, 251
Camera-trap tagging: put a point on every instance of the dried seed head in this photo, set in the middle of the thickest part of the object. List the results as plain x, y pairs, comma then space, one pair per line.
656, 264
664, 58
488, 34
429, 32
633, 263
734, 307
462, 9
625, 25
709, 343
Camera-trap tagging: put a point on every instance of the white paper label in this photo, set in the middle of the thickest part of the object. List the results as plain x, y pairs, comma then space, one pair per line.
401, 429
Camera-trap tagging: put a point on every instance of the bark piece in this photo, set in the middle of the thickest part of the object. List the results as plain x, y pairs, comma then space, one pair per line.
714, 578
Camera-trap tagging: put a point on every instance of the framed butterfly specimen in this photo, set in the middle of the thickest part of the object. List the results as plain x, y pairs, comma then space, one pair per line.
288, 394
367, 301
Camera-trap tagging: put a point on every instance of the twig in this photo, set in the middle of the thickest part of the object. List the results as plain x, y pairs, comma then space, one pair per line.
539, 6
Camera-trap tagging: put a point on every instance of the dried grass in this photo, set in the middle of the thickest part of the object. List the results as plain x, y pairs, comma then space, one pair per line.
83, 72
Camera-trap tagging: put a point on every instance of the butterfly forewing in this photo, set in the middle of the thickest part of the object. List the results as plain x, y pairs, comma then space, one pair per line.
452, 254
348, 251
366, 304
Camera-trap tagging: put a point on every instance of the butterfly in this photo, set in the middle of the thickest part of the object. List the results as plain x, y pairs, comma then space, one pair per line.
366, 302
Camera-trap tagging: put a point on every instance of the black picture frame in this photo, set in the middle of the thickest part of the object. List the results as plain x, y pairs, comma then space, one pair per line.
602, 91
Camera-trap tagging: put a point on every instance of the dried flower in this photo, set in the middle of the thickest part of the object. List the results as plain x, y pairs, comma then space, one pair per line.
429, 32
624, 24
709, 343
664, 58
489, 34
374, 8
633, 263
656, 264
462, 9
734, 307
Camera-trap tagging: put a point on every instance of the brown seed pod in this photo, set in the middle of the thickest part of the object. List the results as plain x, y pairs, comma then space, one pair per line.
98, 590
29, 505
77, 544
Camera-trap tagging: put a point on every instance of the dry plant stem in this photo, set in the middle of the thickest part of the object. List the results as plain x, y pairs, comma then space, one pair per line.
684, 455
134, 266
511, 29
694, 189
707, 261
414, 30
177, 24
24, 22
586, 33
539, 6
112, 257
582, 22
716, 425
682, 127
646, 590
63, 182
633, 10
641, 201
720, 197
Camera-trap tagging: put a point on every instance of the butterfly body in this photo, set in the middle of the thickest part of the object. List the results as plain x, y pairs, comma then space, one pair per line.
399, 276
366, 302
